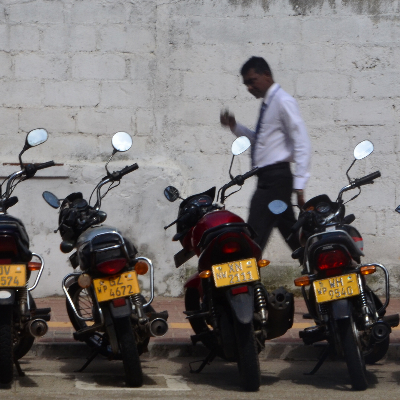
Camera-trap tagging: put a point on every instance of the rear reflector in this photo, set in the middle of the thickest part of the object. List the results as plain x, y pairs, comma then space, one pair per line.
240, 289
119, 302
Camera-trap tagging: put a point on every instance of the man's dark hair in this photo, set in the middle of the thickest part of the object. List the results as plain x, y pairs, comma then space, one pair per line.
259, 65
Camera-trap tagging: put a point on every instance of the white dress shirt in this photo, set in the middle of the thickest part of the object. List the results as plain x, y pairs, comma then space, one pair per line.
282, 136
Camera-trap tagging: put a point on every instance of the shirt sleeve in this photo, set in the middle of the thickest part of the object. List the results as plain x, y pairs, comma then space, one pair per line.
297, 131
241, 130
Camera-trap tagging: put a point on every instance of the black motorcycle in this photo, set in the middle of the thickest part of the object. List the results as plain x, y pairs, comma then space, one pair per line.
104, 300
346, 311
20, 320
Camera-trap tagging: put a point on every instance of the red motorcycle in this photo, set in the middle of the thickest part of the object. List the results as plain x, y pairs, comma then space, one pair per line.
226, 304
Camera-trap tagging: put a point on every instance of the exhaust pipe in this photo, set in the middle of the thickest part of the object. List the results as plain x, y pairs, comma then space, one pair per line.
157, 327
380, 331
38, 327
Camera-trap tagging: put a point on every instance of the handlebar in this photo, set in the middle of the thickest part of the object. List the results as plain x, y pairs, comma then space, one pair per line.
45, 165
238, 180
365, 180
128, 169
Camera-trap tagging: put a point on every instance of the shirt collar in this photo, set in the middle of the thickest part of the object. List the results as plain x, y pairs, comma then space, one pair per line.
273, 88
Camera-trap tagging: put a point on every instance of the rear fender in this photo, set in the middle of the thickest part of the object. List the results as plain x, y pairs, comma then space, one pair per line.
7, 296
120, 312
242, 305
341, 309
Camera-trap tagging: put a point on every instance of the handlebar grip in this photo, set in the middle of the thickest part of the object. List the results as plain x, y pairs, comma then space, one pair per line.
367, 179
128, 169
250, 173
45, 165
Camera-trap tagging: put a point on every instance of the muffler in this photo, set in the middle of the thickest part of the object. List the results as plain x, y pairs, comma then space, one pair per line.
157, 327
380, 331
37, 327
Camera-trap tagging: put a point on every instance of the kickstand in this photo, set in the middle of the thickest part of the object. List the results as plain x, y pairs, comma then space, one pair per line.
204, 362
89, 360
321, 360
19, 369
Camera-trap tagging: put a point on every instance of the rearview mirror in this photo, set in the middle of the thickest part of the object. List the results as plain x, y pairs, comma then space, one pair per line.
121, 141
277, 207
363, 149
51, 199
171, 193
36, 137
240, 145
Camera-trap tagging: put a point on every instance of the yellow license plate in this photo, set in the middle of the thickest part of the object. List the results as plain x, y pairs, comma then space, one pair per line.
235, 272
336, 288
13, 275
114, 287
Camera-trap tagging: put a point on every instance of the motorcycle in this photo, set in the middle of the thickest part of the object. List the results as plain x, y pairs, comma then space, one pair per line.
347, 313
103, 298
20, 320
226, 304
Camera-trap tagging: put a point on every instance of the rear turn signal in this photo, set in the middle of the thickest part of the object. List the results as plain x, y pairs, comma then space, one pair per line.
302, 281
141, 267
84, 281
205, 274
263, 263
368, 269
34, 266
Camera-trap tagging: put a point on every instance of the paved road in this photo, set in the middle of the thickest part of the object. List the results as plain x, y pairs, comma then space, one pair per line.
170, 379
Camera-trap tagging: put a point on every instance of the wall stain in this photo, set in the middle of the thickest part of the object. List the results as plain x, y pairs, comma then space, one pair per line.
305, 7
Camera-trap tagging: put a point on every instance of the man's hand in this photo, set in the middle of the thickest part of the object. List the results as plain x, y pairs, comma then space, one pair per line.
227, 119
300, 197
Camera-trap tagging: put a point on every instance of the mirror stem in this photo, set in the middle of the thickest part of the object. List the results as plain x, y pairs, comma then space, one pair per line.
230, 168
112, 155
347, 172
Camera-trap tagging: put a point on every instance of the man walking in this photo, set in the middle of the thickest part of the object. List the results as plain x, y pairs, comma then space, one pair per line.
280, 138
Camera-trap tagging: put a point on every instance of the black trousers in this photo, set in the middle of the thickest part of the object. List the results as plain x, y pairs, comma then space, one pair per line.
275, 182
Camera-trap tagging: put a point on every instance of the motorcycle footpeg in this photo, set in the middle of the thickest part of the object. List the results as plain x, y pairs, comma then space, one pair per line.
84, 333
391, 320
196, 314
41, 311
313, 334
153, 315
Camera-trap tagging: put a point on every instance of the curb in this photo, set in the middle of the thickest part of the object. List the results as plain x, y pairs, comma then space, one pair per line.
272, 351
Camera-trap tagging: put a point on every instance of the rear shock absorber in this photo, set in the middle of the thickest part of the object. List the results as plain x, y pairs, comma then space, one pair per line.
364, 304
22, 295
137, 301
261, 304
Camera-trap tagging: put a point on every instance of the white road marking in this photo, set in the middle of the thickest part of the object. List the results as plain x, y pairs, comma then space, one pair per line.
174, 383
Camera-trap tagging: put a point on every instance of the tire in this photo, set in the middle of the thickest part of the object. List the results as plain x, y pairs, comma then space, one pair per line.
199, 325
248, 362
129, 352
353, 354
6, 344
24, 343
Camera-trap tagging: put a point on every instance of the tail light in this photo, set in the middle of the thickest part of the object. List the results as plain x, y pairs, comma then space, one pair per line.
8, 245
230, 243
112, 266
334, 259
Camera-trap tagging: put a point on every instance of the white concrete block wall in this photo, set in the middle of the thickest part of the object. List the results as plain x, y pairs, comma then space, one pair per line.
162, 71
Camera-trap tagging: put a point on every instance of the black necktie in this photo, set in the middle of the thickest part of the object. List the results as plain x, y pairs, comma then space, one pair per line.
253, 147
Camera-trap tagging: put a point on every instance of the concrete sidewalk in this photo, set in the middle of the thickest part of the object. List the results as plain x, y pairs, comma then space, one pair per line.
59, 340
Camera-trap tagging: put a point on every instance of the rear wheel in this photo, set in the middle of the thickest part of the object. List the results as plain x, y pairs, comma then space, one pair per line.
6, 344
248, 362
353, 354
129, 352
